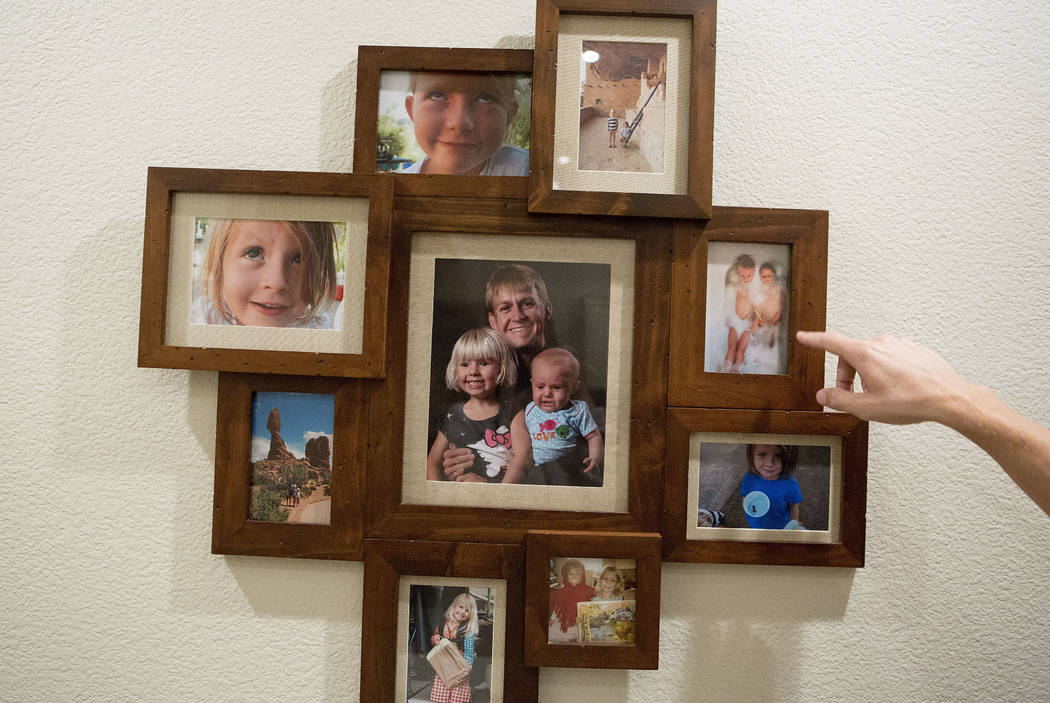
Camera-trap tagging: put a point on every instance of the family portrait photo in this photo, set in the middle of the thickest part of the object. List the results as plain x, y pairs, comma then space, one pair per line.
519, 360
623, 96
773, 483
291, 457
450, 636
592, 601
748, 289
268, 273
457, 123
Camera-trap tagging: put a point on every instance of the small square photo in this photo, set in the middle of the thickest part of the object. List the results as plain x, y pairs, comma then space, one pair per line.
748, 289
592, 601
291, 457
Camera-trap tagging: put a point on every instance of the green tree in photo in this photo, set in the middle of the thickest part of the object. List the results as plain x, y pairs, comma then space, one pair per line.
389, 139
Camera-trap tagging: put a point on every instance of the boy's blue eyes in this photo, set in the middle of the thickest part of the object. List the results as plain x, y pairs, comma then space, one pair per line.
480, 97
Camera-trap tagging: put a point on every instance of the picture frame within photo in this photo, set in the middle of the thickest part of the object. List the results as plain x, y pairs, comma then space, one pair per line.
462, 117
266, 272
599, 279
290, 466
623, 108
765, 487
592, 599
471, 652
744, 282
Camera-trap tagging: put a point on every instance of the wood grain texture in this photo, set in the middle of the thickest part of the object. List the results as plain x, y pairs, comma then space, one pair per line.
232, 531
387, 561
849, 552
696, 203
543, 545
806, 231
373, 60
163, 183
387, 517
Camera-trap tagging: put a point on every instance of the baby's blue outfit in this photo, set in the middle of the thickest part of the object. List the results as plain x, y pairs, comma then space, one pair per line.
782, 493
555, 434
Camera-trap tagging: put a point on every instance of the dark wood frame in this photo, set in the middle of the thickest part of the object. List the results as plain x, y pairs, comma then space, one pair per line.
386, 561
232, 531
163, 183
696, 203
540, 547
806, 231
849, 551
373, 60
388, 517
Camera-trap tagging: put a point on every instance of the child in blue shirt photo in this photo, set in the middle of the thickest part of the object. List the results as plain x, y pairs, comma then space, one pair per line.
771, 494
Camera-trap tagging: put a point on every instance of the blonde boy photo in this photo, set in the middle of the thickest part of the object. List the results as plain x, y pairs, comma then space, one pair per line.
461, 123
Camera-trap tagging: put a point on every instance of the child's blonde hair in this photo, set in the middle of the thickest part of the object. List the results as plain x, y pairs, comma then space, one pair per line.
316, 242
504, 83
788, 459
483, 343
471, 628
517, 277
742, 261
619, 579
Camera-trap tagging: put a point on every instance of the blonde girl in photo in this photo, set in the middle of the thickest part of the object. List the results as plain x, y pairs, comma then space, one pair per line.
267, 273
610, 585
461, 629
482, 362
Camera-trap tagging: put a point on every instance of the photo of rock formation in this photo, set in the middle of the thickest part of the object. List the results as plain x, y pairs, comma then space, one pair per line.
292, 457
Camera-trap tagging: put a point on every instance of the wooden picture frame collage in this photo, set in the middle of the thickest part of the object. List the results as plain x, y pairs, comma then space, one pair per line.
530, 234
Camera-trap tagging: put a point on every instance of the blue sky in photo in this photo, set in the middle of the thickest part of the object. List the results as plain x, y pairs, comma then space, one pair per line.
303, 416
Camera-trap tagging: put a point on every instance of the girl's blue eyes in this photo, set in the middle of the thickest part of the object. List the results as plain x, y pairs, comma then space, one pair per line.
256, 254
480, 97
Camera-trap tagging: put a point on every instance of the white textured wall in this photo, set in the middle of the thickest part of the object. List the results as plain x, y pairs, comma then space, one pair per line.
921, 126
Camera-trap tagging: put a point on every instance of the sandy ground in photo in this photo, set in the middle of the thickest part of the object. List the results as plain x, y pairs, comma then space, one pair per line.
595, 154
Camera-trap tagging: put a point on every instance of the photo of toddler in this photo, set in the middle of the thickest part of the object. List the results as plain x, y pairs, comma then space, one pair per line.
592, 601
482, 362
266, 273
771, 494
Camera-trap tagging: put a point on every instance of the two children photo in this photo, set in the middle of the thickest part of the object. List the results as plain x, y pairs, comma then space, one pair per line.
747, 308
592, 601
463, 123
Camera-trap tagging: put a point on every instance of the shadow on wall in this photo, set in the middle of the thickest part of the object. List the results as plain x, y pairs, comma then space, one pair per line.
741, 624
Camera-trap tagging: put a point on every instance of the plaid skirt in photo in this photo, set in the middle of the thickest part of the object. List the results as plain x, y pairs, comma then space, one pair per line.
439, 693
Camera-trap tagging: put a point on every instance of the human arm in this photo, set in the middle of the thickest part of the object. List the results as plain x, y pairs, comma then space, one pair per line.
437, 449
521, 450
435, 638
793, 509
595, 451
903, 382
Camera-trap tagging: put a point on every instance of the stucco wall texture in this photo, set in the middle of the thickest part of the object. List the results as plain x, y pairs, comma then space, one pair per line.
921, 127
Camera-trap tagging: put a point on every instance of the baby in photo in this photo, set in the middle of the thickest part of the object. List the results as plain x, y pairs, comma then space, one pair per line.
740, 311
267, 273
558, 425
769, 307
460, 122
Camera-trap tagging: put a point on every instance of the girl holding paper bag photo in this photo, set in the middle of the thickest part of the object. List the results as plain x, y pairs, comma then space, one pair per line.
459, 633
